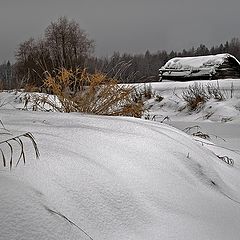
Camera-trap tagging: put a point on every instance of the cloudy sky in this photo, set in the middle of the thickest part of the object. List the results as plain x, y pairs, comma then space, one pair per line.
123, 25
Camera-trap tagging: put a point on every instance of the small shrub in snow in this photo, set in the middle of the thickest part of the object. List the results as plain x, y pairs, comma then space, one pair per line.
197, 94
144, 93
214, 91
148, 92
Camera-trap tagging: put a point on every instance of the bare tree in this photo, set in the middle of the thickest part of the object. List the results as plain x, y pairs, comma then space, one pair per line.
65, 45
33, 59
68, 44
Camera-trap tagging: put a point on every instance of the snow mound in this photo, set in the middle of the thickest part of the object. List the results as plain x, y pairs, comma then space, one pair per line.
115, 178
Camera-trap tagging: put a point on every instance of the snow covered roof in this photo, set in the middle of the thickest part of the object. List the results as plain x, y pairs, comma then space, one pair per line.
211, 61
201, 67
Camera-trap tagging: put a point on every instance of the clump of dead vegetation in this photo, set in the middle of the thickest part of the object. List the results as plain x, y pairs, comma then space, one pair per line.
79, 91
197, 94
147, 92
144, 92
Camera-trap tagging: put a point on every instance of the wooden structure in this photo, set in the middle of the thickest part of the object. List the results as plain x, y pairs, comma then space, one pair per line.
218, 66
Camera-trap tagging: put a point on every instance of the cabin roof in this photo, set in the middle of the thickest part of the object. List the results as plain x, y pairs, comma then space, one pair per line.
199, 62
201, 67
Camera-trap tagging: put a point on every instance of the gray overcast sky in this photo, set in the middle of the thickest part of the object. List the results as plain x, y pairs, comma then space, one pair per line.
123, 25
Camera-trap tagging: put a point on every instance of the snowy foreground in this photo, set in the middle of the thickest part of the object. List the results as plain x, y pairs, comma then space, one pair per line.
123, 178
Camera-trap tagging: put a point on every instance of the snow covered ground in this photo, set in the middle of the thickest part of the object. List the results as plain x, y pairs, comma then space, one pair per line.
119, 178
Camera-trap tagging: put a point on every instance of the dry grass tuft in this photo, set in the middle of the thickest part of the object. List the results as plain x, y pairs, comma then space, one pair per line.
79, 91
197, 94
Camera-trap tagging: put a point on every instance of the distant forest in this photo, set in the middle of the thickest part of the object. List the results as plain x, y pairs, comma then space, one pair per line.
144, 67
126, 68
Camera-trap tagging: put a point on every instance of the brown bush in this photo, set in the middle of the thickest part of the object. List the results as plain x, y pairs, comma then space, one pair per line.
79, 91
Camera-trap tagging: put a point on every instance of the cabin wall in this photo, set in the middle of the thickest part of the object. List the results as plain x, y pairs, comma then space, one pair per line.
185, 79
229, 69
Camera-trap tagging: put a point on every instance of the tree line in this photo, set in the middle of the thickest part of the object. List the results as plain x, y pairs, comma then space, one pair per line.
66, 45
144, 67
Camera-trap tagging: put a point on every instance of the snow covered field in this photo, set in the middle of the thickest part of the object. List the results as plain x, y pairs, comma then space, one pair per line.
122, 178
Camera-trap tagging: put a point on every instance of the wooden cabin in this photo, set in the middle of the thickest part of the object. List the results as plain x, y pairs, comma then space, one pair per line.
218, 66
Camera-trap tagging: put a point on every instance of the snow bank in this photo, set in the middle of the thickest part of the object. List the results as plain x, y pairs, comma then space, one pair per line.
174, 106
115, 178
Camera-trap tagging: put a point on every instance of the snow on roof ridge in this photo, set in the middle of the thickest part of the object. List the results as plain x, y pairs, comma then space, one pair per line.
197, 61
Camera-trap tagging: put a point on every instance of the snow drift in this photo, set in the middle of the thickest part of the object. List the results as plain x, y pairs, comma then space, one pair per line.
115, 178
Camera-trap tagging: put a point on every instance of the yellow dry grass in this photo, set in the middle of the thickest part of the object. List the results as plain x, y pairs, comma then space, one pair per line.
80, 91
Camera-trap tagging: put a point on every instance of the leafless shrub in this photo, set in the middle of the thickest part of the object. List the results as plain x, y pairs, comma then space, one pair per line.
197, 94
143, 93
148, 92
214, 91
